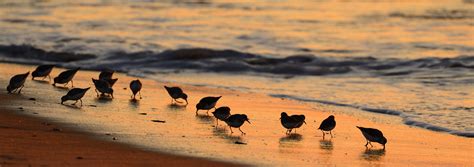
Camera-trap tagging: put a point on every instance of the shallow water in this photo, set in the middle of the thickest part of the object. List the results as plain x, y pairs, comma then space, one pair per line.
410, 59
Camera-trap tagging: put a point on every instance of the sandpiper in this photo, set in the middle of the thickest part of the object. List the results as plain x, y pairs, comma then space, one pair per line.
236, 121
291, 122
103, 87
74, 94
136, 86
373, 135
17, 82
176, 93
328, 125
221, 113
66, 76
207, 103
42, 71
106, 75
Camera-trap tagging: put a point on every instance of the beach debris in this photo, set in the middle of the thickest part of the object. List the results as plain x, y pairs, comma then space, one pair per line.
143, 113
114, 138
239, 142
32, 99
160, 121
91, 105
79, 157
35, 113
57, 129
21, 108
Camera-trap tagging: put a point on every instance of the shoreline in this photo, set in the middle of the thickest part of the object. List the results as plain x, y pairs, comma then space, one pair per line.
263, 112
29, 140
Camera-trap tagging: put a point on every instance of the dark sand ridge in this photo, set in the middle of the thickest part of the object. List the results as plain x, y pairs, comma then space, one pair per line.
186, 134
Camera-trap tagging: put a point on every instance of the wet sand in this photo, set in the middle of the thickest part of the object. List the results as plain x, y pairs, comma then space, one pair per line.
92, 131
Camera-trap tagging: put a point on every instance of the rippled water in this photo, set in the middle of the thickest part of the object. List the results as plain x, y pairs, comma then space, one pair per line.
404, 58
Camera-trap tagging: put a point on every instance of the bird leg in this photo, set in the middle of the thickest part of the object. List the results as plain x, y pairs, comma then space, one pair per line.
330, 133
371, 144
367, 143
140, 93
72, 84
217, 122
75, 102
197, 111
242, 131
207, 112
97, 92
20, 89
231, 130
81, 101
324, 134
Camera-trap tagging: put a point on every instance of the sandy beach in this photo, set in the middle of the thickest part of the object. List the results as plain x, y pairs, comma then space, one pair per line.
117, 132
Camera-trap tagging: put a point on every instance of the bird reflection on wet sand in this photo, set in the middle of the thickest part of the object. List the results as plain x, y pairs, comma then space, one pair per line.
222, 132
205, 118
103, 99
176, 107
372, 154
326, 144
134, 103
294, 137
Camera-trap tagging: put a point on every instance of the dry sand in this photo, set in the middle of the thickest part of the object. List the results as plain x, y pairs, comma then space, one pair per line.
100, 121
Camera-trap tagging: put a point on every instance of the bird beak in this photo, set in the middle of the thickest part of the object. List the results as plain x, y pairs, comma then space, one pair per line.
248, 121
304, 122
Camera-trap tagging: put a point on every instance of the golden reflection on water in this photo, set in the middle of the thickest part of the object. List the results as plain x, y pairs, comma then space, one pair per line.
274, 26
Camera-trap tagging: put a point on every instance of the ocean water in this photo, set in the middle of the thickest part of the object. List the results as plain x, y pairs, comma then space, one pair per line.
409, 59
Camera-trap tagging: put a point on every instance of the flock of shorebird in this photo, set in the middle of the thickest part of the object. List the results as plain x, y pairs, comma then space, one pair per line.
105, 82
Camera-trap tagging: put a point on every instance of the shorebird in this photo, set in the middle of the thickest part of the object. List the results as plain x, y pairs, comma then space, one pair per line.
176, 93
236, 121
42, 71
291, 122
74, 94
328, 125
221, 113
65, 76
106, 75
207, 103
103, 87
373, 135
17, 82
136, 86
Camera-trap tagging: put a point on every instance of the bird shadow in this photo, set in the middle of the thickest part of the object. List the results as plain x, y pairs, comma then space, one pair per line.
176, 107
326, 144
372, 154
294, 137
205, 118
